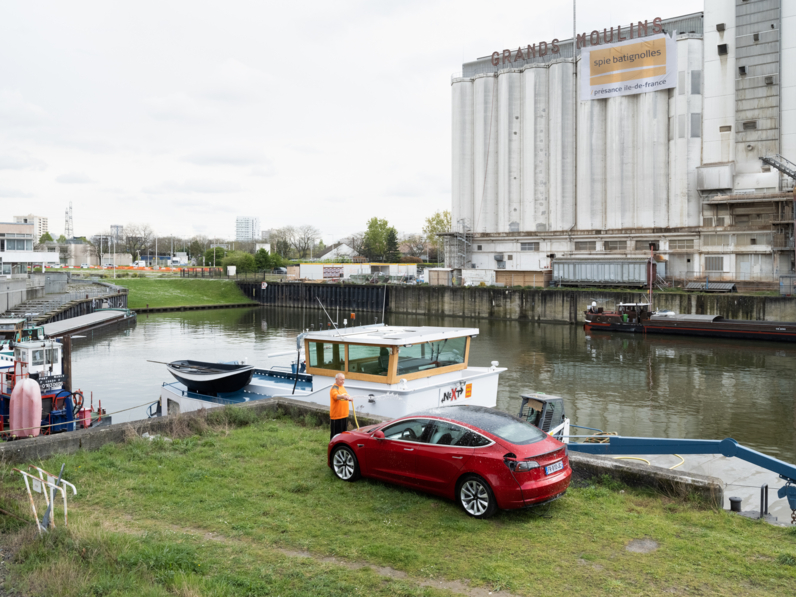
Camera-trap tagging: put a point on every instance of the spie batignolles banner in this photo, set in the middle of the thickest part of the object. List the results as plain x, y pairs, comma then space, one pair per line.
628, 67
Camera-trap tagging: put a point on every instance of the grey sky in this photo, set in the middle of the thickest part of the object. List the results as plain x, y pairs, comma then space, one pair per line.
186, 114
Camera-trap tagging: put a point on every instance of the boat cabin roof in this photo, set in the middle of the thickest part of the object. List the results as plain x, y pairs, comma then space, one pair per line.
12, 324
389, 335
634, 304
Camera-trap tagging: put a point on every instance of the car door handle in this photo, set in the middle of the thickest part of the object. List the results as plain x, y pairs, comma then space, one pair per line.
457, 457
409, 449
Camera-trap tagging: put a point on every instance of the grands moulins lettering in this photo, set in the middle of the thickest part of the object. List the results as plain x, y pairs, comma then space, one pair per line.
633, 31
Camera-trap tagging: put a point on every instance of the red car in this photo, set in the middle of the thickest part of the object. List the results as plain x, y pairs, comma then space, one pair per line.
481, 457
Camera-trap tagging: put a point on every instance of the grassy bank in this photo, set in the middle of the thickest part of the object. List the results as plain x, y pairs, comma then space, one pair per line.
241, 506
179, 292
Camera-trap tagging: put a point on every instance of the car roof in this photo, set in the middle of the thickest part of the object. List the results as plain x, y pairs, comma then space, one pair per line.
471, 415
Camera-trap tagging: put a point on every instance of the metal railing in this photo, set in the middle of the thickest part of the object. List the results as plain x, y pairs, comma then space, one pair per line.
50, 302
743, 281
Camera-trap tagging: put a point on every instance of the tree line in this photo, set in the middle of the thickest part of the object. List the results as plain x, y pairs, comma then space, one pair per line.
379, 242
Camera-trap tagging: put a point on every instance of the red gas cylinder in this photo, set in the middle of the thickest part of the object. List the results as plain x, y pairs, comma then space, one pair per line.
25, 409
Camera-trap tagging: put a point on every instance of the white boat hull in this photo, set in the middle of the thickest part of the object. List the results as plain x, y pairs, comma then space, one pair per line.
474, 385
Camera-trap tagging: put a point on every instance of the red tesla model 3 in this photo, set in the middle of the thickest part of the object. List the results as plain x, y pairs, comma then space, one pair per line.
481, 457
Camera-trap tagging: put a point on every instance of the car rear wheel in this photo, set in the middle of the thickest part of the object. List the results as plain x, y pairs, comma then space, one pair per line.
476, 497
344, 464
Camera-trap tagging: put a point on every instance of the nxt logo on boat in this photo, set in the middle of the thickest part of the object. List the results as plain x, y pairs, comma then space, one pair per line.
456, 392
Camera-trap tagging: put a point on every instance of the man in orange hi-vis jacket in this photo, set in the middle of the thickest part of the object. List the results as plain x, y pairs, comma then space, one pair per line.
338, 405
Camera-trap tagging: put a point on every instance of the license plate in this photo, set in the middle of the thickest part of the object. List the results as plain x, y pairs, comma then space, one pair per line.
554, 467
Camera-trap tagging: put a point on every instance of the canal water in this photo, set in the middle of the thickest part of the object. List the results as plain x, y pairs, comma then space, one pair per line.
645, 386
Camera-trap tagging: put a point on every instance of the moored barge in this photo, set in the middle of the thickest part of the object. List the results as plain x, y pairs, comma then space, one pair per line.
640, 319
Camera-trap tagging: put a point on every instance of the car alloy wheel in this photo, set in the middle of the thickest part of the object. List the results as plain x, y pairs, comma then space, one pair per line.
344, 464
476, 497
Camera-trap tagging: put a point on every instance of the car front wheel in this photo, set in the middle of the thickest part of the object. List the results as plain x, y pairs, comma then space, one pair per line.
476, 497
344, 464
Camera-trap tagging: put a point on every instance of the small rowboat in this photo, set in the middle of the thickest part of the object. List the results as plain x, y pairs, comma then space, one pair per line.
211, 378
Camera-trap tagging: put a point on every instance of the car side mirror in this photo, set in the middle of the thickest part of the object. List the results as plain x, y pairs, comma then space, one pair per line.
378, 434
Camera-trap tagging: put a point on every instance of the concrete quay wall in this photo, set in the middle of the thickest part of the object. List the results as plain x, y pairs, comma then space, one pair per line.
568, 306
557, 305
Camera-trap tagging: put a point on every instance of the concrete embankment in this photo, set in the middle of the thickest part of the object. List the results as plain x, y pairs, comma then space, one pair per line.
568, 306
670, 482
559, 305
193, 308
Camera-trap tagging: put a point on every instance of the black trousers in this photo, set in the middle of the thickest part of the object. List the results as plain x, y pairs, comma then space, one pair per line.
338, 426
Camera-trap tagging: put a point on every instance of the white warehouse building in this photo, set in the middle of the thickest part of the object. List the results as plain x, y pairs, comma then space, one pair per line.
539, 171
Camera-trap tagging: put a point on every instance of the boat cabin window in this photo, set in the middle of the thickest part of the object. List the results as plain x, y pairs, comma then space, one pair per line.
431, 355
38, 357
372, 360
325, 355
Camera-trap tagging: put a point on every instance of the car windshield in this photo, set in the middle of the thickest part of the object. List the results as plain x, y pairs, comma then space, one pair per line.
500, 424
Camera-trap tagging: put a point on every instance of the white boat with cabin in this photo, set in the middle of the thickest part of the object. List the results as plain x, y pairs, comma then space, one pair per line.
390, 371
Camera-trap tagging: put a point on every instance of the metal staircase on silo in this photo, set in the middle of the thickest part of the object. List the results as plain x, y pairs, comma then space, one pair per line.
782, 164
788, 168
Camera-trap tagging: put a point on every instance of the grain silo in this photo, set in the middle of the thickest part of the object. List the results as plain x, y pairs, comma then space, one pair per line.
669, 157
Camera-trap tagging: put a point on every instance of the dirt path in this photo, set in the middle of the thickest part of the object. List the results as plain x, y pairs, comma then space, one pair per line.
460, 588
449, 585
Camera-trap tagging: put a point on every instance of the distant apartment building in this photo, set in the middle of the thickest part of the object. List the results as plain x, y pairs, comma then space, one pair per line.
247, 228
39, 224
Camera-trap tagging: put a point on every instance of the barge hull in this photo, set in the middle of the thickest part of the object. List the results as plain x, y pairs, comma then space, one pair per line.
769, 333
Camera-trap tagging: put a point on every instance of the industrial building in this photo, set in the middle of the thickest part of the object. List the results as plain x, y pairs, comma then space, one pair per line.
247, 229
539, 170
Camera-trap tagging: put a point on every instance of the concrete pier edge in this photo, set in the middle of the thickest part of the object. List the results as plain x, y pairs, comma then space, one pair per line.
671, 483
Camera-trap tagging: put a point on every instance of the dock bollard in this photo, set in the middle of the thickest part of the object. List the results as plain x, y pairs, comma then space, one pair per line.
735, 504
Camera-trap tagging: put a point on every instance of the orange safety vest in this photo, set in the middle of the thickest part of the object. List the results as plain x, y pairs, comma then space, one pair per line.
338, 409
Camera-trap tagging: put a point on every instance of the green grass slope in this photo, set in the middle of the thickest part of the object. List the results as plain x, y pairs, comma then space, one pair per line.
241, 506
179, 292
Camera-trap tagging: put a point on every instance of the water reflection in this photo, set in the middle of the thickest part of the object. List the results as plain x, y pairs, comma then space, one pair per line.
635, 385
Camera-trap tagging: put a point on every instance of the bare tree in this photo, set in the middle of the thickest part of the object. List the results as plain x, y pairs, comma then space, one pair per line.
137, 238
282, 240
98, 244
304, 239
413, 245
355, 241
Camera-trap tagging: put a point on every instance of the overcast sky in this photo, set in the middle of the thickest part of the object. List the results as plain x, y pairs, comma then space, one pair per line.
185, 114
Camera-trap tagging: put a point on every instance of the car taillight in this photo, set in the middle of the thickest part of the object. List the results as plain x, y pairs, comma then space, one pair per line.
522, 465
527, 465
